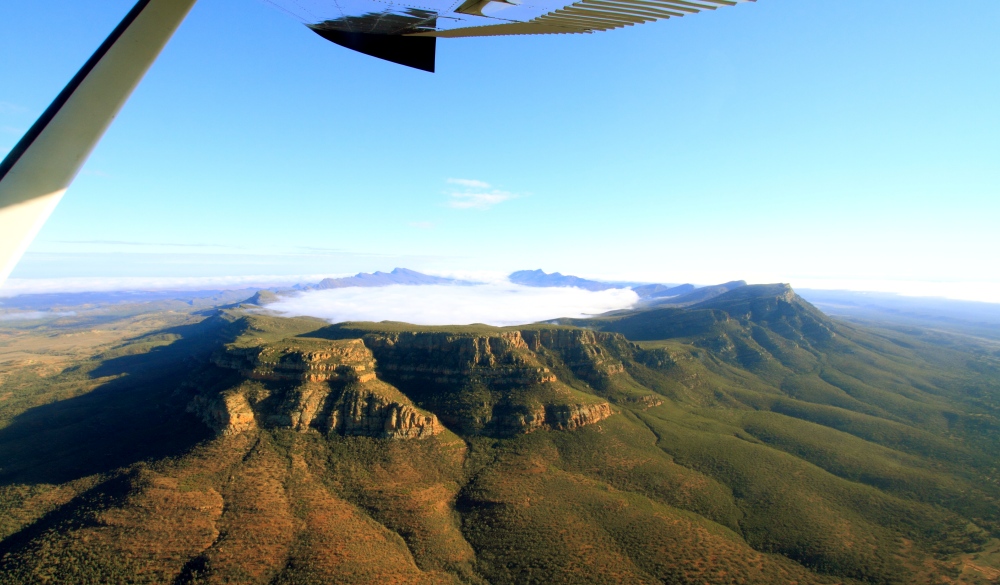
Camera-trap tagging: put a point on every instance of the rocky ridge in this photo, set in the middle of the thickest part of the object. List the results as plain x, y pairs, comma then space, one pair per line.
310, 384
301, 359
503, 358
494, 383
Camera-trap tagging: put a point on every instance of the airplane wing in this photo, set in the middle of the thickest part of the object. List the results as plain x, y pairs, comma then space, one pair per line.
405, 32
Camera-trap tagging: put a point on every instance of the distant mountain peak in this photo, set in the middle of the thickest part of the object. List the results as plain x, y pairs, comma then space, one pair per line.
538, 278
695, 296
776, 307
262, 297
748, 292
651, 291
406, 271
378, 278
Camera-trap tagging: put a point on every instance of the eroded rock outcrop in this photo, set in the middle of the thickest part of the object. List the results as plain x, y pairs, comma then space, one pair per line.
571, 416
503, 358
228, 413
311, 384
366, 413
301, 359
494, 382
585, 352
560, 417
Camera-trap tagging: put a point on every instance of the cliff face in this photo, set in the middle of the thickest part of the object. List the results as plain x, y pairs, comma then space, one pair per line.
302, 360
571, 416
507, 357
495, 383
585, 352
228, 414
560, 417
323, 385
502, 359
356, 412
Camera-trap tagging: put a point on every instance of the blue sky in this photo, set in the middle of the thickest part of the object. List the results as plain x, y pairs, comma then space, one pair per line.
808, 141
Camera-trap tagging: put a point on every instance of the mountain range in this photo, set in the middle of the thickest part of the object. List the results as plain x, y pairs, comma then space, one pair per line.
649, 294
746, 438
538, 278
397, 276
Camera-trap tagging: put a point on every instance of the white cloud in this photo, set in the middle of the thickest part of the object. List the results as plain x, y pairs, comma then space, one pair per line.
476, 195
478, 200
470, 183
494, 304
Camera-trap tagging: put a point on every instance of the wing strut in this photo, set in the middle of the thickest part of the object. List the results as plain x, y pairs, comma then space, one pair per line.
36, 173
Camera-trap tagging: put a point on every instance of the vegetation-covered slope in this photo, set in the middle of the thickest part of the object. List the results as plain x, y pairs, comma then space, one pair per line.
746, 439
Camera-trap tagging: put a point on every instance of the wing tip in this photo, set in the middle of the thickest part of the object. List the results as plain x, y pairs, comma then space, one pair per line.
416, 52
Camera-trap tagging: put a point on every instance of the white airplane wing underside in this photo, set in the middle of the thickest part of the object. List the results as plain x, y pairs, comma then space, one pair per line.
404, 32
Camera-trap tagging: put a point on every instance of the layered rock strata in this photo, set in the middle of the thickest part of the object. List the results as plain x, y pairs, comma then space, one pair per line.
494, 383
228, 414
503, 358
301, 359
368, 414
584, 352
560, 417
312, 384
571, 416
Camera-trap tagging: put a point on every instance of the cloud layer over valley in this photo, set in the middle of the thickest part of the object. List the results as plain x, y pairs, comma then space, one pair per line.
494, 304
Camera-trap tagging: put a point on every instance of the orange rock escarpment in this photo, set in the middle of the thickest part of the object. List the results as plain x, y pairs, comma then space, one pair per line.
324, 385
508, 370
494, 383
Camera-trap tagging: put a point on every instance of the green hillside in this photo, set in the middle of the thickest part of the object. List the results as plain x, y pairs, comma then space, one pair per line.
747, 438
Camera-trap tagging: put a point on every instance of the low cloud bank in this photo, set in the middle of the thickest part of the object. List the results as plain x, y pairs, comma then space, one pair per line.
493, 304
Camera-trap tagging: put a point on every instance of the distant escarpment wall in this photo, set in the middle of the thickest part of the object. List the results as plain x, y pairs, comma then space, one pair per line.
495, 384
347, 360
304, 384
